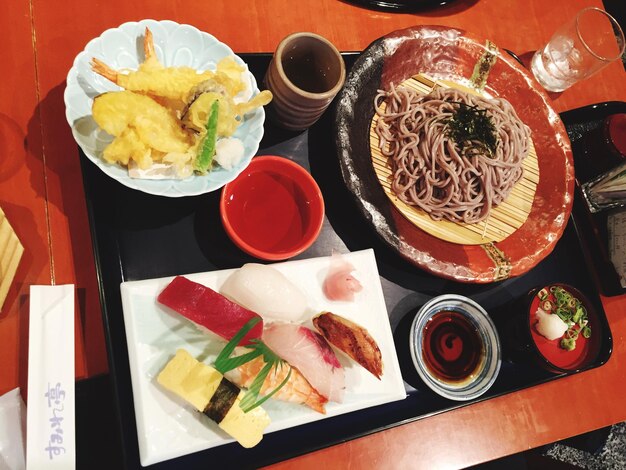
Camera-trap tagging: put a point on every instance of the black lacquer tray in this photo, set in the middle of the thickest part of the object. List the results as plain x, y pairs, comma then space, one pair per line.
591, 158
140, 236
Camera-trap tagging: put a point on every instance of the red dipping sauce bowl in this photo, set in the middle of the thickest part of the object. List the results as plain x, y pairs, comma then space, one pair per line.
548, 353
273, 210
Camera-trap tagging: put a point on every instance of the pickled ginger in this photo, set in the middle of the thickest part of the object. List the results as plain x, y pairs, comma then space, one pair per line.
339, 283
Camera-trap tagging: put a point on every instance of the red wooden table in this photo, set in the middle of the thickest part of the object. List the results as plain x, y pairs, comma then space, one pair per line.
42, 196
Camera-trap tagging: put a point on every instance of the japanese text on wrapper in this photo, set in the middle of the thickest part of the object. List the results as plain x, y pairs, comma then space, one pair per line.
56, 397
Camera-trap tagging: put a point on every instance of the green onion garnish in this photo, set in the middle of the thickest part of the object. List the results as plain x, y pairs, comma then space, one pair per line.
570, 310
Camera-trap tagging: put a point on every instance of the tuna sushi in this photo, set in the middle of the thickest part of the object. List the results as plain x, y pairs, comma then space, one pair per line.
311, 354
209, 309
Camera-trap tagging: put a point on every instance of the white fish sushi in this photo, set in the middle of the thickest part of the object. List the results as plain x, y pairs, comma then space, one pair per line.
311, 354
266, 291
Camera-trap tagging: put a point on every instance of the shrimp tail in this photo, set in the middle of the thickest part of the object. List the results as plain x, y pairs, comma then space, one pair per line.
148, 45
104, 70
297, 390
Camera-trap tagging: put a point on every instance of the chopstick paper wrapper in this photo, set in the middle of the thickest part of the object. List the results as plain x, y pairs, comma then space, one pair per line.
606, 191
616, 227
12, 424
50, 433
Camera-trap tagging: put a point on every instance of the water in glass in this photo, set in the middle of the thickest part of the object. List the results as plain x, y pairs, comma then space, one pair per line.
557, 66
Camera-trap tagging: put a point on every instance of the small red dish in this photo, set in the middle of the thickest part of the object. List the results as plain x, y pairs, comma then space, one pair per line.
273, 210
551, 356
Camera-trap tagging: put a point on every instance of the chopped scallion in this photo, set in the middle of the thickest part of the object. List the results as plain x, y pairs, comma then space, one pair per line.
568, 308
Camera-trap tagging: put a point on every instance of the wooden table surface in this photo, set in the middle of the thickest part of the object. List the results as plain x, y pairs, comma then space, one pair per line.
41, 193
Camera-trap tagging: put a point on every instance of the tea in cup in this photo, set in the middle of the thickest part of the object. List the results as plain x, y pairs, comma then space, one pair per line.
305, 74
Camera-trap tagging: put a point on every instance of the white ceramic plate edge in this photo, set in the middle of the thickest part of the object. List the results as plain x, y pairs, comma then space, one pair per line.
390, 388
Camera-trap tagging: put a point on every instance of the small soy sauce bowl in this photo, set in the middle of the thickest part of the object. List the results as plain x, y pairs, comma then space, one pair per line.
455, 347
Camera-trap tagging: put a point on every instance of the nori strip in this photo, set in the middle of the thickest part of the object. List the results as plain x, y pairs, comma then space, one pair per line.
222, 400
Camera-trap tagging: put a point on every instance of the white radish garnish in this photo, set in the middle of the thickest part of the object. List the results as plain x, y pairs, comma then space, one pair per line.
229, 152
550, 325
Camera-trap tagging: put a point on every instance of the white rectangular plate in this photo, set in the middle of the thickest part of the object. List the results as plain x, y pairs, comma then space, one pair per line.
169, 428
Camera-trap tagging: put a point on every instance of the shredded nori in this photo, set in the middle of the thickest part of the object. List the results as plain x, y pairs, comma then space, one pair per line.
472, 130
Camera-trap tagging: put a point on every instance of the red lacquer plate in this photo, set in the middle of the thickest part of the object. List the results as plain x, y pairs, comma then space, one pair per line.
551, 354
450, 54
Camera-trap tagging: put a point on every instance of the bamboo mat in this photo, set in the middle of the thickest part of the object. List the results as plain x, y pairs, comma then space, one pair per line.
503, 220
11, 251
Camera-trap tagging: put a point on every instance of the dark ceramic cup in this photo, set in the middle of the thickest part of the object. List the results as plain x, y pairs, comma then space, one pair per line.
305, 74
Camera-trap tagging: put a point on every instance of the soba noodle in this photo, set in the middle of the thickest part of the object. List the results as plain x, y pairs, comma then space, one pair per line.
457, 181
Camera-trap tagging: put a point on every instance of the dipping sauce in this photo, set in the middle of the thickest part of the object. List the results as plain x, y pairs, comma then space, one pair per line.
273, 214
455, 347
452, 348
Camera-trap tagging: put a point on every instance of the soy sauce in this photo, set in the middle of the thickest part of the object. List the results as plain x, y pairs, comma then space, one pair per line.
452, 347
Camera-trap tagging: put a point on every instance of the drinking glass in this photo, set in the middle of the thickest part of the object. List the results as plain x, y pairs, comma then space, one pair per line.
587, 43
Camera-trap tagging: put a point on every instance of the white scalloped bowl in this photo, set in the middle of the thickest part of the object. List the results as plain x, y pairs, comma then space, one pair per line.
176, 45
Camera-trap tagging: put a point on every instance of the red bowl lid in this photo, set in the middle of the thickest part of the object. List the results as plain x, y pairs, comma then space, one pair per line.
273, 210
616, 125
